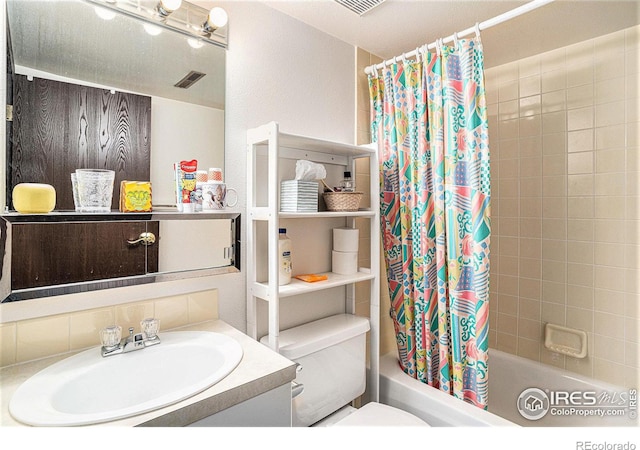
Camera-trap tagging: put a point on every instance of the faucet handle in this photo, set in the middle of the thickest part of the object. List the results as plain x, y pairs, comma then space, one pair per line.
150, 327
110, 336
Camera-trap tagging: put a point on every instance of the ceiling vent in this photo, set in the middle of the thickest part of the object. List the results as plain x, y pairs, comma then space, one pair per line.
360, 7
189, 79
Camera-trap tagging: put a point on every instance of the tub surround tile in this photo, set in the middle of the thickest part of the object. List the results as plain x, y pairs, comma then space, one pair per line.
507, 324
530, 329
631, 377
578, 239
582, 366
632, 329
631, 305
612, 136
552, 359
611, 372
530, 309
580, 141
632, 354
554, 80
581, 96
529, 349
580, 296
609, 349
507, 343
553, 313
609, 325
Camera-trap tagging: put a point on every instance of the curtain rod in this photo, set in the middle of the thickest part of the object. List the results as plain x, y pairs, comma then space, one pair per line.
475, 29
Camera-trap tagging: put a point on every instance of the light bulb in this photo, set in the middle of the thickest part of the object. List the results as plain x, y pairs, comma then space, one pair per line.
170, 5
152, 29
195, 43
217, 17
104, 13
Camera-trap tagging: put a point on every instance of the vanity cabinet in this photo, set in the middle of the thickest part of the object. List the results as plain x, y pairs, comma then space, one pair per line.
272, 156
270, 409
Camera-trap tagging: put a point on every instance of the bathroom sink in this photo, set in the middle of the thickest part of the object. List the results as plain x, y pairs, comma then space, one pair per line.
87, 388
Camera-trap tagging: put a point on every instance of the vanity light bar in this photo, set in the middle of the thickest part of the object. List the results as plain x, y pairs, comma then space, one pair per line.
188, 19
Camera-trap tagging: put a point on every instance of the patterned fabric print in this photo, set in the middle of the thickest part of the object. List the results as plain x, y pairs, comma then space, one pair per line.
429, 119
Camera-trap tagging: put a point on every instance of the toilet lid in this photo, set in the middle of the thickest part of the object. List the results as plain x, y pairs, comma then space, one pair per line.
379, 415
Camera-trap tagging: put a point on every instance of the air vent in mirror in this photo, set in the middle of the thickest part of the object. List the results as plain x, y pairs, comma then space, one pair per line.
189, 79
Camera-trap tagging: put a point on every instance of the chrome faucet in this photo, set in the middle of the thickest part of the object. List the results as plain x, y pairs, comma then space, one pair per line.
113, 345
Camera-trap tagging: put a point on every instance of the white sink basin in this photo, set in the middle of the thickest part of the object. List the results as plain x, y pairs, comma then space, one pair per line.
87, 388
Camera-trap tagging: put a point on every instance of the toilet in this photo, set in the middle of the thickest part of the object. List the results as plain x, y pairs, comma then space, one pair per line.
331, 354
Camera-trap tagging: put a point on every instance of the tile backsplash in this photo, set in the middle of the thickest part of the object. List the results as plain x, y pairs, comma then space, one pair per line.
31, 339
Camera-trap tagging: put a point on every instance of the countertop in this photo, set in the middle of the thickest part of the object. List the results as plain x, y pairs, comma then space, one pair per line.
259, 371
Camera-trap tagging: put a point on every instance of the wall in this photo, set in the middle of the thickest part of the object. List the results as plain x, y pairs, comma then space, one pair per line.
278, 69
564, 136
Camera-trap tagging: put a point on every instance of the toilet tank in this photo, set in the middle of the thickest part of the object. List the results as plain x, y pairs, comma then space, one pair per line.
332, 356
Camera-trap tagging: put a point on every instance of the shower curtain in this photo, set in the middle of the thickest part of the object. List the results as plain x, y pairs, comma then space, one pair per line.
430, 121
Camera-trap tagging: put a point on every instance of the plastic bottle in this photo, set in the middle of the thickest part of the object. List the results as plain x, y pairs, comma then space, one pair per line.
347, 185
284, 257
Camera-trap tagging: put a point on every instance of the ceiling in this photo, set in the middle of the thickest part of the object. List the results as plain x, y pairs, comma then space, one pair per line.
398, 26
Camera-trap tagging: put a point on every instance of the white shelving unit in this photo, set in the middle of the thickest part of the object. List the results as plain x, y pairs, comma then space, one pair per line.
267, 147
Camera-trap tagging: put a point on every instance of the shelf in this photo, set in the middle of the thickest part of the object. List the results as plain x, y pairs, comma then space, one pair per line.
298, 287
264, 214
72, 216
325, 214
270, 152
261, 135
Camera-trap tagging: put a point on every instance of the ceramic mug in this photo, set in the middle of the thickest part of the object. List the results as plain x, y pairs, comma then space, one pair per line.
214, 197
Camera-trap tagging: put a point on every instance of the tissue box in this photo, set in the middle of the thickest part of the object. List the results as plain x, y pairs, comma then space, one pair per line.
298, 196
135, 196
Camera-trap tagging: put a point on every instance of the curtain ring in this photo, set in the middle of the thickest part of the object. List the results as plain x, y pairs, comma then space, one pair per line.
417, 54
424, 49
455, 40
438, 44
477, 30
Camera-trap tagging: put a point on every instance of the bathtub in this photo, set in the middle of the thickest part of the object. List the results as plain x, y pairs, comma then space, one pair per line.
509, 377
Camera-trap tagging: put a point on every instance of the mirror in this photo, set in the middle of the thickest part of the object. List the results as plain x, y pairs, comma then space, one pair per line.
68, 41
72, 42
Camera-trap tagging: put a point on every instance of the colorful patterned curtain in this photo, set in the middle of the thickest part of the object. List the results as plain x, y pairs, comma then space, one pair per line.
430, 121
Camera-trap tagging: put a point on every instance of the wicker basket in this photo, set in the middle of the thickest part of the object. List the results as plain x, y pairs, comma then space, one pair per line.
342, 201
